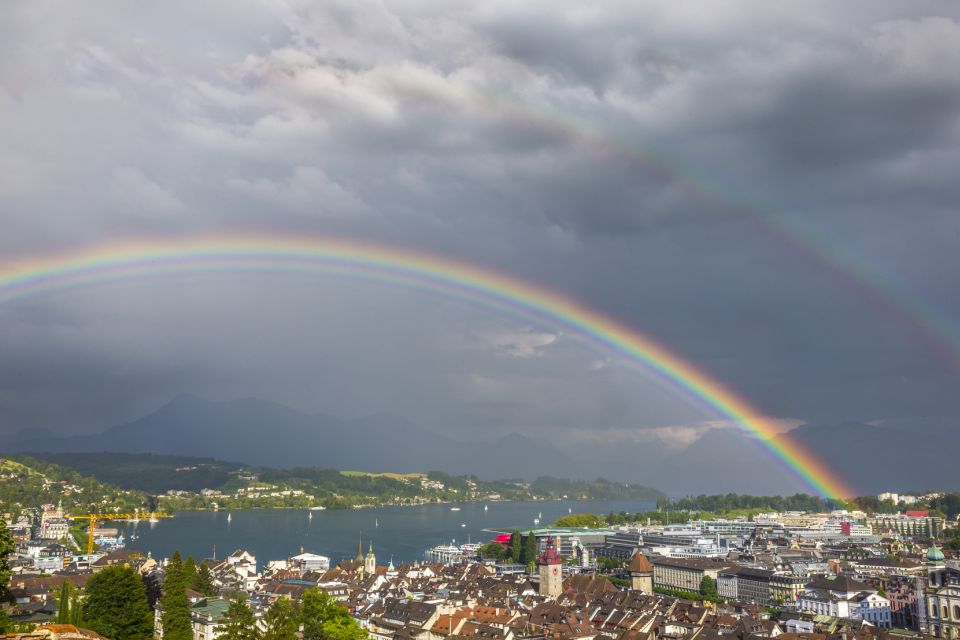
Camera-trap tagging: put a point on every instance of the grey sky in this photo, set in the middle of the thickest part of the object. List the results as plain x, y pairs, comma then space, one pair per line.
509, 135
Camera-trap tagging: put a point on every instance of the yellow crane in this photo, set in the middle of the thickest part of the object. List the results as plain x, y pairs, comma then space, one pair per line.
94, 518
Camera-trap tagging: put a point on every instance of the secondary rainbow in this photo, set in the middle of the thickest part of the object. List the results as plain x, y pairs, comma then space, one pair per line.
382, 263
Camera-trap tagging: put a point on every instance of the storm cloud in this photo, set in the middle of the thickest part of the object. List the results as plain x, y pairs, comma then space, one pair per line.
768, 190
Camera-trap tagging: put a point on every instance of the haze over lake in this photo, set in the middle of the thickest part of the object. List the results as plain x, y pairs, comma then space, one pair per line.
400, 532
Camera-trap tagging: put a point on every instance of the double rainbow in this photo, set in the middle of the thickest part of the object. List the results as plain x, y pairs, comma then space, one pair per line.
443, 275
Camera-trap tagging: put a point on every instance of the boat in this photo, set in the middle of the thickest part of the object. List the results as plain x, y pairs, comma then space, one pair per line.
536, 521
569, 509
376, 523
485, 507
317, 508
454, 508
453, 553
229, 517
310, 515
463, 524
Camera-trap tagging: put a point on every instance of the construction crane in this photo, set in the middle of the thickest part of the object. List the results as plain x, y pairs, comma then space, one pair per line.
94, 518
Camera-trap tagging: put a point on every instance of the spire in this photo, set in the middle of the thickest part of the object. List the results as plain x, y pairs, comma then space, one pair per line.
360, 548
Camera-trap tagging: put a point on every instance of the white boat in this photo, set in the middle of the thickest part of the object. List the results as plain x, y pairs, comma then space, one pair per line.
317, 508
536, 521
229, 517
310, 515
454, 508
485, 507
376, 523
463, 524
569, 509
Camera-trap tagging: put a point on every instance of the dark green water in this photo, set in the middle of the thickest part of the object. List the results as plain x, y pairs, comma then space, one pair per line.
403, 533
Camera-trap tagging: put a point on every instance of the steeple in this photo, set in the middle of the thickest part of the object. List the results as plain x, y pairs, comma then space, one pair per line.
370, 562
360, 549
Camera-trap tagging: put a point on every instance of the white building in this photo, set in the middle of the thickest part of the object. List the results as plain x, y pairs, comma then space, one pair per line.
309, 562
842, 597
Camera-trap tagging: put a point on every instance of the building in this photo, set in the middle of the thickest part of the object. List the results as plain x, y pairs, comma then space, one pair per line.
753, 585
370, 562
942, 596
683, 574
843, 597
786, 587
309, 562
551, 571
914, 524
641, 573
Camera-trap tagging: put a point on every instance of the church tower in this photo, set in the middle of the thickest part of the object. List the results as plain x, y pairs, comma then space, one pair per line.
551, 571
370, 562
641, 573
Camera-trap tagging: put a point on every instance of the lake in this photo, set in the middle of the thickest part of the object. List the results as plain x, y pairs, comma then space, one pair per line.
400, 532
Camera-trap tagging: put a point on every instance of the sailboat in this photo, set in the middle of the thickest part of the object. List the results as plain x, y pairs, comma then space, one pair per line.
485, 507
376, 523
310, 515
229, 517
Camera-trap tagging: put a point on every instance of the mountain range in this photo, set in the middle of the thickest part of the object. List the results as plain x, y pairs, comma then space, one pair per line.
869, 458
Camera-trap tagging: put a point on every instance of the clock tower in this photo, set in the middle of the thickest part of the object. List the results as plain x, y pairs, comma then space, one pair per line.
551, 571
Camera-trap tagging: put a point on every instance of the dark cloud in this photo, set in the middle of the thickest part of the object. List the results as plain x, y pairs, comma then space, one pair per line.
767, 190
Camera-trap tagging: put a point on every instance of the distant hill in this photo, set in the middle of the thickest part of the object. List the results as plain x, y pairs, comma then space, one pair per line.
148, 472
268, 434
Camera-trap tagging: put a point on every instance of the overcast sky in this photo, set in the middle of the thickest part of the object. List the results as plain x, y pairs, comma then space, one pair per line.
769, 189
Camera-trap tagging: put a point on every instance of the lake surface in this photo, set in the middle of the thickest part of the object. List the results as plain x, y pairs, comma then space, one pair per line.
400, 532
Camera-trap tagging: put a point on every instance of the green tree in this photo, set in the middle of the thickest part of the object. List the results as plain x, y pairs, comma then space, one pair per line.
493, 550
76, 609
176, 607
708, 587
324, 619
116, 605
281, 621
64, 600
204, 582
238, 623
343, 629
190, 574
529, 554
7, 545
515, 550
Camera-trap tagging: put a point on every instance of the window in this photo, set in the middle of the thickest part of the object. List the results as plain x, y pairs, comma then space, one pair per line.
956, 611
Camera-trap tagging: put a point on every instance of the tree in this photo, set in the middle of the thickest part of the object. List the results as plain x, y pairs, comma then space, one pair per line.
7, 546
116, 606
324, 619
238, 623
493, 550
515, 550
64, 600
281, 621
529, 554
204, 582
708, 587
176, 607
190, 574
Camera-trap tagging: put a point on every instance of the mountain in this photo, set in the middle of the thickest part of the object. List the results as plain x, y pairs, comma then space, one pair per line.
873, 458
869, 459
264, 433
725, 461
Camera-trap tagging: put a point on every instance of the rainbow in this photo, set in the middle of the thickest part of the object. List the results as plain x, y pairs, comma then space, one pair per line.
430, 272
